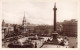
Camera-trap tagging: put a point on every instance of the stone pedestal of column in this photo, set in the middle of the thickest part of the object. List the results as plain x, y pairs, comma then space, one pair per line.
54, 35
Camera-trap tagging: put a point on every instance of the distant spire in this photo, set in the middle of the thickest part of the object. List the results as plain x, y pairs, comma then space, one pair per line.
24, 14
3, 23
24, 19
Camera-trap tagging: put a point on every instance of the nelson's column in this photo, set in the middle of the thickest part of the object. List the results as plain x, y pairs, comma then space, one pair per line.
54, 34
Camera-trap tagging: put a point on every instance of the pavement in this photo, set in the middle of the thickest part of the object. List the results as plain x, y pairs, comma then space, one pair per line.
54, 46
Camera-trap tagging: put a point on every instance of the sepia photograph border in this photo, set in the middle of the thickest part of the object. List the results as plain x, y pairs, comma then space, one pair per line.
78, 30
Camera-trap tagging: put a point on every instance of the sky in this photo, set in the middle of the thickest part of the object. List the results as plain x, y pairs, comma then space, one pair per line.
38, 11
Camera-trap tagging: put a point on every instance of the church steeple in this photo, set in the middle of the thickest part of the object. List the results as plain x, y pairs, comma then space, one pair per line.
24, 24
24, 20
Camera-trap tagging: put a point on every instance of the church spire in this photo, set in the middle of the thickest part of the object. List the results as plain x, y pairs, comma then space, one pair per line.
24, 15
24, 20
24, 23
